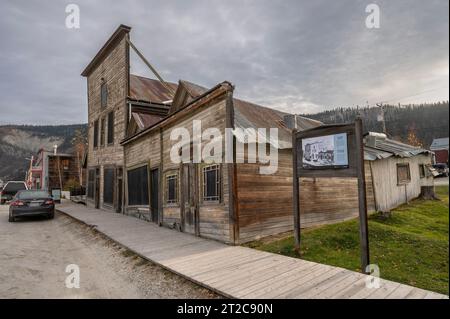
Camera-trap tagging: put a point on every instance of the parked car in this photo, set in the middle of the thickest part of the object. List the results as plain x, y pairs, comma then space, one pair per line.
31, 203
10, 189
442, 169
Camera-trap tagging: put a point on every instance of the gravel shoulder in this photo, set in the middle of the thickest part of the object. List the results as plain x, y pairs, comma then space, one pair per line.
34, 254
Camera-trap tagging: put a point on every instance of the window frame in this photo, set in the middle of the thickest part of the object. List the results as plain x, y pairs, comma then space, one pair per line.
422, 171
218, 184
102, 131
103, 95
110, 130
95, 134
147, 181
403, 181
176, 176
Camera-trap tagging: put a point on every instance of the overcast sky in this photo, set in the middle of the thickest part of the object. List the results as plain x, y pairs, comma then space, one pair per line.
297, 56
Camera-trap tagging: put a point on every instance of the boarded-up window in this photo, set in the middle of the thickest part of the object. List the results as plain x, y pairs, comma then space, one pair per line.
90, 184
104, 95
171, 188
138, 186
108, 185
102, 133
95, 142
422, 171
111, 128
211, 183
403, 174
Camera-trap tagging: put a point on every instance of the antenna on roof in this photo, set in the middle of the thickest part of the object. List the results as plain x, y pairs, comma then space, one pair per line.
149, 66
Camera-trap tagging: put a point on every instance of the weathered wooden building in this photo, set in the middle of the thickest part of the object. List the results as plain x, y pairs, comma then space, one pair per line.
115, 96
399, 171
51, 169
130, 169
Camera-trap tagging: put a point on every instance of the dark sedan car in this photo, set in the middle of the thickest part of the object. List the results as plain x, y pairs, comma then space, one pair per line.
31, 203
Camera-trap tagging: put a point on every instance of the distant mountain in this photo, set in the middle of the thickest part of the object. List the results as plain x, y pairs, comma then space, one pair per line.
18, 142
415, 123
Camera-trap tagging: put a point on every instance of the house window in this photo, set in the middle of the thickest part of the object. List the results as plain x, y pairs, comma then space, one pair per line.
211, 183
102, 133
65, 164
95, 134
138, 186
403, 174
422, 173
104, 94
172, 188
110, 128
108, 185
90, 184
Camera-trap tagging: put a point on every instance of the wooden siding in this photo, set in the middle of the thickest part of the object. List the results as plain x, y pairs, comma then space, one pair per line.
265, 201
114, 70
213, 218
390, 195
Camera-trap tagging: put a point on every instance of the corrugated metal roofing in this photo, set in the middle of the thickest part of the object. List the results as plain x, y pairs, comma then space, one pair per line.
380, 148
150, 90
145, 120
250, 115
439, 144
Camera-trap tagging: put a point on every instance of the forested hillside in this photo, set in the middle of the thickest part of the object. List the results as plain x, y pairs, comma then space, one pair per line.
418, 122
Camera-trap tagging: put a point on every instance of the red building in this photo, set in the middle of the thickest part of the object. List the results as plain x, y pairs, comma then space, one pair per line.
440, 149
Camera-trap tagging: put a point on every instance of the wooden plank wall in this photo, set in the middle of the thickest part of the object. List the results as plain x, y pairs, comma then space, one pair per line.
143, 151
114, 70
390, 195
214, 218
265, 201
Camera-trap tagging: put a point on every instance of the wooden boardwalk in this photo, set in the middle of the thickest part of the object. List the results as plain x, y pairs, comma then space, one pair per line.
234, 271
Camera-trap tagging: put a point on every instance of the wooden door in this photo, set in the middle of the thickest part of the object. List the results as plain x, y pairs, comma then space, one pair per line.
189, 197
154, 194
119, 180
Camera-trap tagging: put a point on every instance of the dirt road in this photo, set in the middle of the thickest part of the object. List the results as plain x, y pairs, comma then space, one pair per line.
34, 254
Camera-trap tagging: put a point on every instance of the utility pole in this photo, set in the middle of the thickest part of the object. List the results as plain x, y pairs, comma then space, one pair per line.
381, 117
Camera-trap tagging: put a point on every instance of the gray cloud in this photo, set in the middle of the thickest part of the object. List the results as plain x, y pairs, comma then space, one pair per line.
298, 56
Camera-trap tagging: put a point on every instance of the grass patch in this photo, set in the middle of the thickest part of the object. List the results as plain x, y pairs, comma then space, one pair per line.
411, 246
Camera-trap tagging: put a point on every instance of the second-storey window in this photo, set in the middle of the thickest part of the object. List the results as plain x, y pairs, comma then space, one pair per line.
102, 132
110, 128
104, 94
95, 143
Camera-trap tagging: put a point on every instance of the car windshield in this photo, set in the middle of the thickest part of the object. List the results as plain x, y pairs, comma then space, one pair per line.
32, 194
13, 187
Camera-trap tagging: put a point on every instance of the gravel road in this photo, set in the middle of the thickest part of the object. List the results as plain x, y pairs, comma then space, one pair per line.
34, 254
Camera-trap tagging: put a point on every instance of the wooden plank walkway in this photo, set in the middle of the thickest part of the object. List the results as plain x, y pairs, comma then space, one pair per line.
234, 271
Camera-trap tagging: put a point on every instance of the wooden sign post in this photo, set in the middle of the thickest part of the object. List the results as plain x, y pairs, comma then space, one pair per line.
331, 151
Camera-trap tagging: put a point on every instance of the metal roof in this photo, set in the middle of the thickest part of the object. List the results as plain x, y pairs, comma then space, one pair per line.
439, 144
145, 120
250, 115
378, 146
149, 90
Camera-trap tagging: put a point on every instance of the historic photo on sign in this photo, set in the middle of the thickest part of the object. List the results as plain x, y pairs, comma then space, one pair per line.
329, 151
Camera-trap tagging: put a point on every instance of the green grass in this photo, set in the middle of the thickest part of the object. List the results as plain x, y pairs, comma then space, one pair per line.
411, 246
